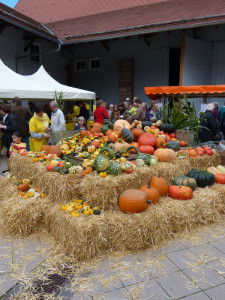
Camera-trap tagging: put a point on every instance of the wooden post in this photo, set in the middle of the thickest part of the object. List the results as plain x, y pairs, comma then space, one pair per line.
205, 98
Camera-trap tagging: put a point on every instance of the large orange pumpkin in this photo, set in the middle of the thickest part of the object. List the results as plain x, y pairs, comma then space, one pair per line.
133, 201
160, 184
112, 138
146, 149
147, 139
95, 127
52, 149
180, 192
120, 124
44, 148
167, 155
151, 192
83, 133
137, 132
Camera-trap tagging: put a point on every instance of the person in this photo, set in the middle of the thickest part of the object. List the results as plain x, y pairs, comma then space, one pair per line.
100, 113
71, 114
222, 114
23, 118
209, 129
83, 110
81, 124
133, 109
39, 128
115, 115
127, 103
57, 117
31, 108
76, 110
140, 113
17, 143
122, 109
110, 109
216, 112
9, 126
153, 114
134, 99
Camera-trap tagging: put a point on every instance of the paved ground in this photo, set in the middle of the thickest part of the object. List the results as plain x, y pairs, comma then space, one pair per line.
191, 268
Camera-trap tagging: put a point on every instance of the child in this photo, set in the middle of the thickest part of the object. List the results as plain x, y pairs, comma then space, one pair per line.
133, 110
16, 144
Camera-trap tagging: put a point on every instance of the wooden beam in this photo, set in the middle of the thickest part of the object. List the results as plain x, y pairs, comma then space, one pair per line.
3, 26
105, 46
67, 48
148, 43
29, 44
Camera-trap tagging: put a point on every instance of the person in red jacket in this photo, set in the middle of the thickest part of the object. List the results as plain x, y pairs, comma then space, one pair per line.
100, 113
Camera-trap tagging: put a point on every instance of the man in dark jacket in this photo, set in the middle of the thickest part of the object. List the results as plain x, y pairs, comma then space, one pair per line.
9, 126
209, 128
23, 117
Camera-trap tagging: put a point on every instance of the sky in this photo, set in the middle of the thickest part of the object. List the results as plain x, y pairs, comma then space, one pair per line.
10, 3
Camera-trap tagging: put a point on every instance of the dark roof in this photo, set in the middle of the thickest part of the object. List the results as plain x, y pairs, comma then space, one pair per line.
47, 11
105, 19
9, 15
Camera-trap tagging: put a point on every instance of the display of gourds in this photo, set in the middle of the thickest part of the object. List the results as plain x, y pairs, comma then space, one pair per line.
102, 163
145, 157
185, 181
202, 177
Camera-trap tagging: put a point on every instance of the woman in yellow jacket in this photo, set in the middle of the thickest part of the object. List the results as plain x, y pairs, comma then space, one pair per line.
39, 128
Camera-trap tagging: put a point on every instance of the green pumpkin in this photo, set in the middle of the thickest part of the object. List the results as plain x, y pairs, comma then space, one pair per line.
114, 169
64, 171
127, 135
146, 123
202, 177
174, 145
96, 212
185, 181
106, 126
167, 127
56, 169
102, 163
145, 157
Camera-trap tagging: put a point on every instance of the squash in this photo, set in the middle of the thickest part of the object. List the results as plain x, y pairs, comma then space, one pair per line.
120, 146
112, 138
133, 201
158, 123
146, 149
153, 161
50, 167
56, 169
169, 128
173, 145
107, 125
146, 123
203, 178
180, 192
133, 151
160, 184
144, 156
185, 181
220, 178
127, 135
102, 163
114, 169
147, 139
52, 149
86, 171
221, 169
120, 124
23, 187
167, 155
213, 170
140, 162
137, 132
151, 192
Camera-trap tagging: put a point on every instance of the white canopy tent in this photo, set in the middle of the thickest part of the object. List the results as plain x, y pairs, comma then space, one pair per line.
40, 86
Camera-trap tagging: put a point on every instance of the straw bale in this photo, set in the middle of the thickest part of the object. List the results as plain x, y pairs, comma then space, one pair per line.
205, 161
6, 188
21, 216
60, 188
83, 237
88, 236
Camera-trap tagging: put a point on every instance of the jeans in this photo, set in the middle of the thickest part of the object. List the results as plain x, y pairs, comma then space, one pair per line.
27, 143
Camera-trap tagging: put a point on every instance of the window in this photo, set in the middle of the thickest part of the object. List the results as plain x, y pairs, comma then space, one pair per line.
80, 65
95, 64
35, 53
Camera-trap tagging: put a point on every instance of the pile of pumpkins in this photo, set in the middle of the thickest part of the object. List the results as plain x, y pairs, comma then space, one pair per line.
25, 189
182, 188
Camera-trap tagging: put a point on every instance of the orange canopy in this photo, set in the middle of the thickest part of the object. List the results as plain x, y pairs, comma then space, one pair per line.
193, 91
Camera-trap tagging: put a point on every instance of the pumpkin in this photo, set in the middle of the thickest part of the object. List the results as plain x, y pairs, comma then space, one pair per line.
120, 124
151, 192
114, 169
160, 143
153, 161
167, 155
146, 123
91, 149
95, 127
147, 139
180, 192
83, 133
137, 132
23, 187
202, 177
133, 201
169, 128
86, 171
112, 138
185, 181
146, 149
127, 135
120, 146
106, 126
173, 145
160, 184
50, 168
52, 149
183, 143
117, 132
220, 178
146, 157
133, 151
95, 143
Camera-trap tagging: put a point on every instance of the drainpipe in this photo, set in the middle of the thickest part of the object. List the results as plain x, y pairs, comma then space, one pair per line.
44, 52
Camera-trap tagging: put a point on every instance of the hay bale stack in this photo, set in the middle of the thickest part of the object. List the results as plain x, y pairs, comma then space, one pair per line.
205, 161
84, 237
7, 190
21, 216
88, 236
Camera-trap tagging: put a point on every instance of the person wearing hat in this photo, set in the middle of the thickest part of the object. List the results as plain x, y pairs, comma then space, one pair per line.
110, 109
81, 124
126, 103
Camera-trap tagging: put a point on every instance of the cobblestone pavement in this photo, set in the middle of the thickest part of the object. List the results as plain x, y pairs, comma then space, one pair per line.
189, 268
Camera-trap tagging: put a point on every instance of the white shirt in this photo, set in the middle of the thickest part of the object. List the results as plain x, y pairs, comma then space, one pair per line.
58, 121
